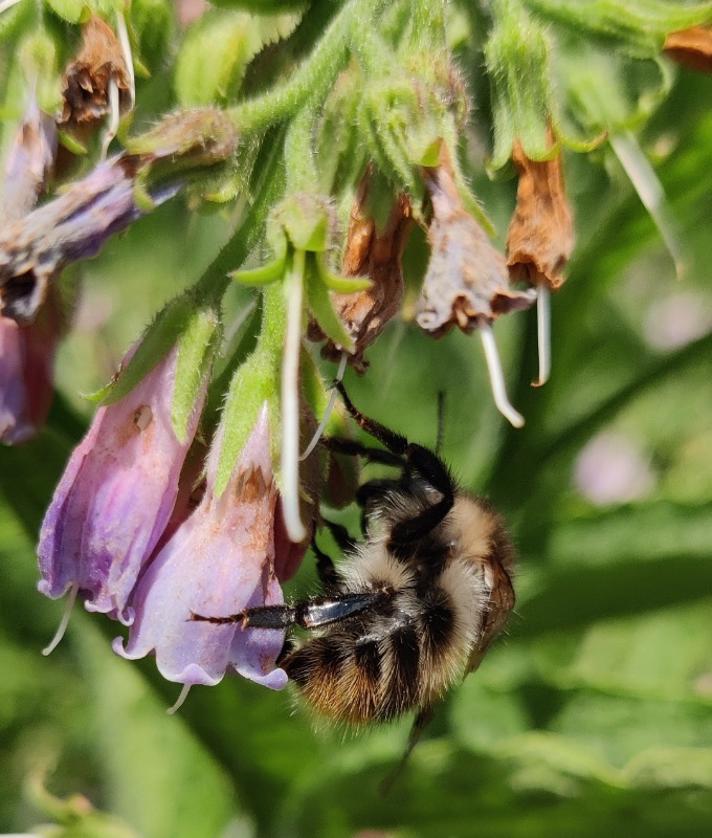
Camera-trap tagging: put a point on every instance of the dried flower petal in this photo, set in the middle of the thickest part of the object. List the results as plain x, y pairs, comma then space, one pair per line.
88, 79
28, 164
467, 282
375, 254
219, 562
116, 495
541, 234
691, 47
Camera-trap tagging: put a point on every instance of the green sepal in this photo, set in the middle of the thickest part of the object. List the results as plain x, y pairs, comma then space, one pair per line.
71, 143
607, 92
158, 339
638, 27
73, 11
322, 308
335, 282
141, 196
255, 382
518, 65
196, 350
306, 219
271, 272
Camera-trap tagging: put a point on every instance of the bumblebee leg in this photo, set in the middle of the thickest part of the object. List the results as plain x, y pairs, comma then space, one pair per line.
421, 721
311, 614
355, 449
396, 443
326, 571
368, 495
341, 535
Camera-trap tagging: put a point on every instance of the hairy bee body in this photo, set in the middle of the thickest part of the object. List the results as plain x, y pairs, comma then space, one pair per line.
432, 618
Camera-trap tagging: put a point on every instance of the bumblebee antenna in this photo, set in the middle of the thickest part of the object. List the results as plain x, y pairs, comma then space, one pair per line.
421, 721
440, 434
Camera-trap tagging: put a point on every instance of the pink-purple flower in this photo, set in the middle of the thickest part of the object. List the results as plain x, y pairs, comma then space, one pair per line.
117, 495
219, 562
26, 371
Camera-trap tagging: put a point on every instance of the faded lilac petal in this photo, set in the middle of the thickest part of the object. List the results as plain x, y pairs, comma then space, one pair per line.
35, 249
116, 496
28, 164
220, 561
26, 372
612, 468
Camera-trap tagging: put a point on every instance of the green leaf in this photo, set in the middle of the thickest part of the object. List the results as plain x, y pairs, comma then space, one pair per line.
73, 11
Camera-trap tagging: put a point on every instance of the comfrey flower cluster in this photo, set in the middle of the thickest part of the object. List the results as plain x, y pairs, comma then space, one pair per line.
198, 493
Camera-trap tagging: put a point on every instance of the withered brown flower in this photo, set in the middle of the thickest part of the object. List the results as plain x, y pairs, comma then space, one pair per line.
691, 47
541, 233
540, 238
467, 282
88, 78
374, 253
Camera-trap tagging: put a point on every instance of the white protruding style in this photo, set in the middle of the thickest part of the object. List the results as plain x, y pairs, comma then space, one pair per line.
328, 411
290, 402
64, 622
123, 34
112, 125
180, 701
543, 327
496, 376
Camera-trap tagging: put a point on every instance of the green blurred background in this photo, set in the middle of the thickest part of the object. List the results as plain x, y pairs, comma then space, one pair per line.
592, 716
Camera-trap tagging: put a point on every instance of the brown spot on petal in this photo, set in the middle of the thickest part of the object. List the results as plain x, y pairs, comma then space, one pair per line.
691, 47
86, 80
467, 279
541, 233
142, 417
250, 485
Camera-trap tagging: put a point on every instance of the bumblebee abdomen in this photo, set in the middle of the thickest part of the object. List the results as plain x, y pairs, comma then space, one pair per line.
378, 669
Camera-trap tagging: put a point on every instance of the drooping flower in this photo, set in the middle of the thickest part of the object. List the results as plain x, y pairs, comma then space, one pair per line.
75, 225
220, 561
467, 281
27, 352
26, 367
541, 237
375, 252
118, 491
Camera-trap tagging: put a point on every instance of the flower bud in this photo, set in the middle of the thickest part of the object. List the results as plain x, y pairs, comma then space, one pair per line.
218, 563
119, 489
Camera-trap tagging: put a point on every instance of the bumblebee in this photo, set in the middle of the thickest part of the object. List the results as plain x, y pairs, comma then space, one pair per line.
412, 607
